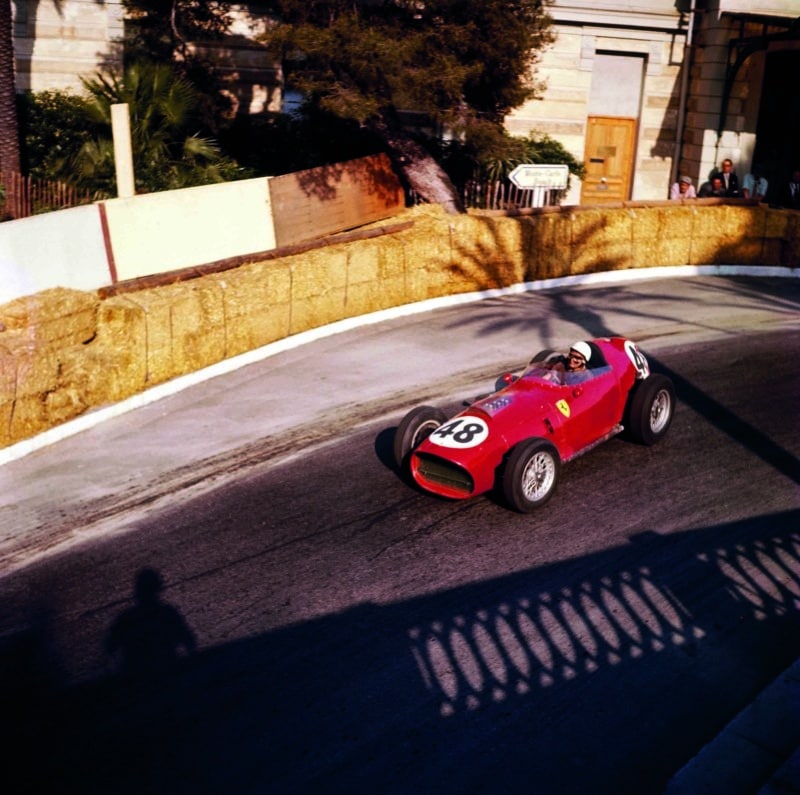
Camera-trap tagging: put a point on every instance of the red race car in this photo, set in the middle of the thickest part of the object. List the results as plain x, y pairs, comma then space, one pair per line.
516, 438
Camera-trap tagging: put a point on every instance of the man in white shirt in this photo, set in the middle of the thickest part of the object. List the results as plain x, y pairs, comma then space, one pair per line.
754, 185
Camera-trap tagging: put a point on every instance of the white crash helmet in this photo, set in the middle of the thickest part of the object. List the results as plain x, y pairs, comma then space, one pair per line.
583, 349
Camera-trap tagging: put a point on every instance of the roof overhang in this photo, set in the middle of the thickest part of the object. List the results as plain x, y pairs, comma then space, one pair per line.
623, 14
786, 9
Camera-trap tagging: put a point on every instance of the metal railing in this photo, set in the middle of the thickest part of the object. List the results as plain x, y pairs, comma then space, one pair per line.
504, 195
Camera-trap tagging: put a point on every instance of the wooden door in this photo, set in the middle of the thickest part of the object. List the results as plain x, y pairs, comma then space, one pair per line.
610, 147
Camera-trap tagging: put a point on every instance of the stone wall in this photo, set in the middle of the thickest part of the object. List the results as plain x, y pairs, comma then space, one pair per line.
65, 352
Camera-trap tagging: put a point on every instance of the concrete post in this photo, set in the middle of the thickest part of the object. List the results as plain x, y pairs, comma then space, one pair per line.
123, 155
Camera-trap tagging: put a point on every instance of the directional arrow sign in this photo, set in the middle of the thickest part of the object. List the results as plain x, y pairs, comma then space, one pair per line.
530, 175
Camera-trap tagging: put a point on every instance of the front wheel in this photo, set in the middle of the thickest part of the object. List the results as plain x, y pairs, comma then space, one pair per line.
414, 428
531, 474
650, 409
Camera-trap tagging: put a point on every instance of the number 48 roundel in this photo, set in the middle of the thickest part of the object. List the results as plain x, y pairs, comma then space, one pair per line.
460, 432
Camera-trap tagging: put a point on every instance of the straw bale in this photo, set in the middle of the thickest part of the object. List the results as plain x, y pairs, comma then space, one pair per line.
8, 383
35, 366
157, 310
709, 227
364, 298
391, 258
791, 252
64, 404
550, 247
256, 302
28, 418
103, 374
198, 326
593, 259
57, 316
704, 250
778, 223
319, 272
662, 236
740, 222
317, 311
586, 225
119, 353
772, 252
748, 251
429, 243
364, 263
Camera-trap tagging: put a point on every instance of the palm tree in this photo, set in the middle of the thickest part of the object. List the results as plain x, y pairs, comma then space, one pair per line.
168, 149
9, 128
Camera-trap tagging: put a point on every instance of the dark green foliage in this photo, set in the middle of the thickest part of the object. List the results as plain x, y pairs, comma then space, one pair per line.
456, 61
280, 143
169, 32
494, 157
69, 138
53, 127
460, 66
153, 33
169, 147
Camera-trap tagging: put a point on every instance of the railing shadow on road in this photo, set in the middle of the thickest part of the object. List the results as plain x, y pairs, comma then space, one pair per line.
519, 668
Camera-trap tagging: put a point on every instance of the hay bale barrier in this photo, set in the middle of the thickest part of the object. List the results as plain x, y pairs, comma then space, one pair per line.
65, 352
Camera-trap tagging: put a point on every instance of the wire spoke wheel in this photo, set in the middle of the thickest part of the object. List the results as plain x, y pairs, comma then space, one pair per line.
531, 474
538, 476
650, 409
660, 411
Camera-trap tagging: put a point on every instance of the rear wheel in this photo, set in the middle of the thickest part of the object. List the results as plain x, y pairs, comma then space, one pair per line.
414, 428
531, 474
650, 409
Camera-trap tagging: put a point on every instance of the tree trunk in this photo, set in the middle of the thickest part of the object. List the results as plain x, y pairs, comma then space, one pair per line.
9, 128
424, 175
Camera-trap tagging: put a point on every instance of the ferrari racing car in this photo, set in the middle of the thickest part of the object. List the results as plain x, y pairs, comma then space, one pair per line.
517, 438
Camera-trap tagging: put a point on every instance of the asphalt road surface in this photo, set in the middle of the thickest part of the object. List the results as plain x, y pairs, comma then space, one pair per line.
315, 624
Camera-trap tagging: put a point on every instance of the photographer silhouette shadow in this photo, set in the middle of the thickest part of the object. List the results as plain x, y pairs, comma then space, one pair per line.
149, 639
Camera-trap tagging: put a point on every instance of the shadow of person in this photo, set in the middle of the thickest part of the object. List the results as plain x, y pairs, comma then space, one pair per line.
148, 640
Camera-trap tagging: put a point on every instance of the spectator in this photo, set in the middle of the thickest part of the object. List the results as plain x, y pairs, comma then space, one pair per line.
683, 189
730, 181
715, 188
789, 194
754, 185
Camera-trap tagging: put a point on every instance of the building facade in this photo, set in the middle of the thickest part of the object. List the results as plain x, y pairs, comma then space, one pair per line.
643, 91
56, 42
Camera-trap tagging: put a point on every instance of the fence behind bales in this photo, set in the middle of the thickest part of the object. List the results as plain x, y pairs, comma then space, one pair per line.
501, 194
22, 196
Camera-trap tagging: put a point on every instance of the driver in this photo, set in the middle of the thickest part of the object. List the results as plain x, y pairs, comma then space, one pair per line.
570, 369
574, 362
578, 357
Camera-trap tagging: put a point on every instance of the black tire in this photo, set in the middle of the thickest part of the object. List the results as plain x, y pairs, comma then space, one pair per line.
413, 429
531, 474
543, 356
651, 406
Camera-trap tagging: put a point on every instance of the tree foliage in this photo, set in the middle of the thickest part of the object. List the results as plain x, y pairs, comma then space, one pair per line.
53, 127
456, 61
169, 150
459, 65
497, 159
174, 32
